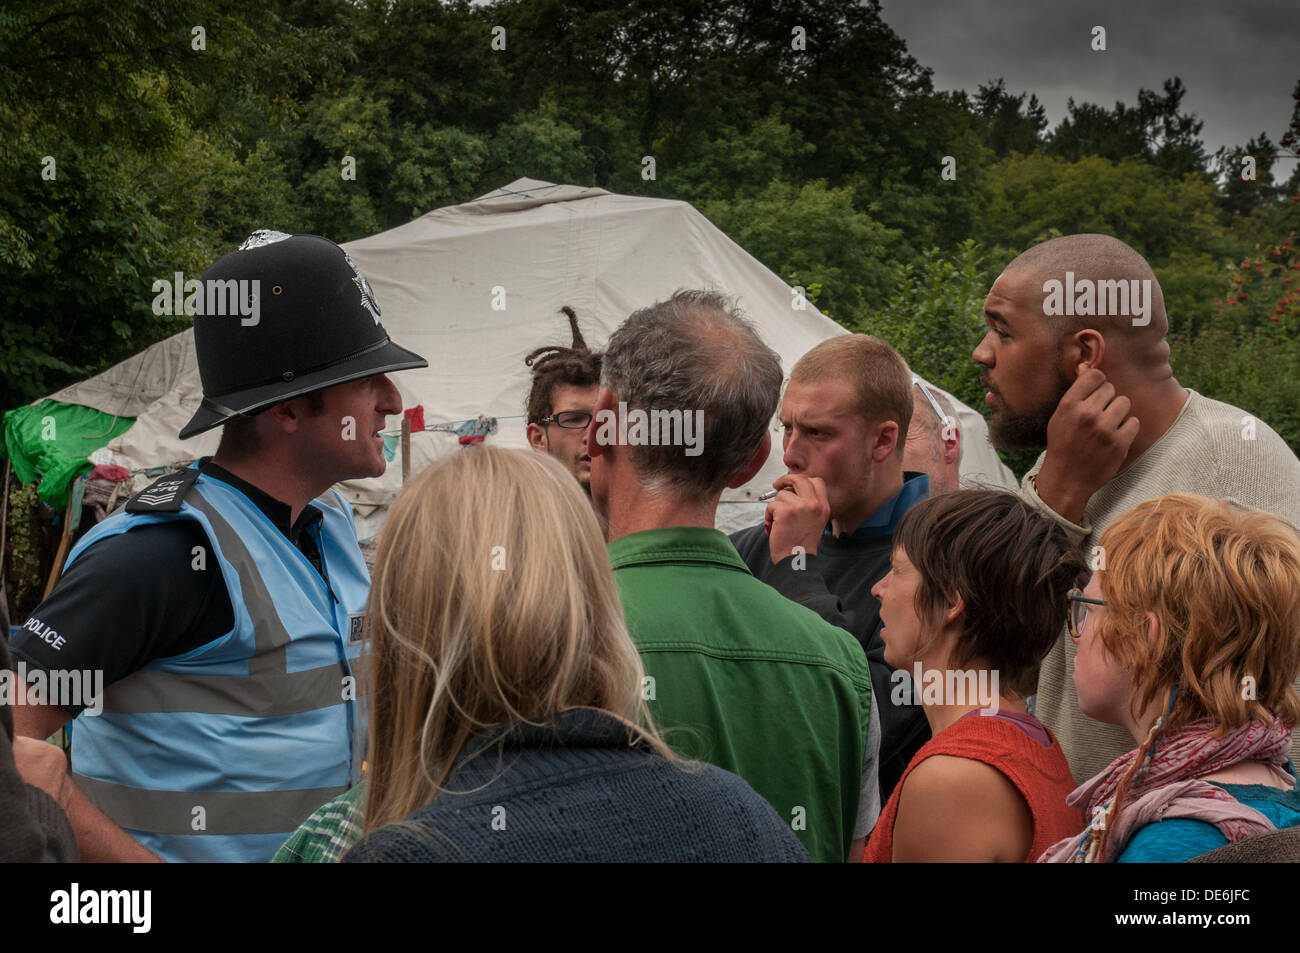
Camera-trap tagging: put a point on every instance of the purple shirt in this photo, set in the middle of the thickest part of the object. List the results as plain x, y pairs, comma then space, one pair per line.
1026, 723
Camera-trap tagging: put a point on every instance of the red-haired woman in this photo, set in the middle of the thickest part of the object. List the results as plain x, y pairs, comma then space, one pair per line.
1191, 640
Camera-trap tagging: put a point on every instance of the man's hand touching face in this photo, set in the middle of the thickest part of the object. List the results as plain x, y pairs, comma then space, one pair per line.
797, 517
1088, 439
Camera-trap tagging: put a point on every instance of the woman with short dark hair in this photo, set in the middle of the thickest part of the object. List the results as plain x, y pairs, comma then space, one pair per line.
974, 597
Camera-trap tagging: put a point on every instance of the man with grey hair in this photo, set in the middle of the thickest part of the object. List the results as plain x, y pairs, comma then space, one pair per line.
736, 674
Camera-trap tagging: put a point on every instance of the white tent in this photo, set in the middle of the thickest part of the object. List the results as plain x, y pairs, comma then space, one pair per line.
441, 281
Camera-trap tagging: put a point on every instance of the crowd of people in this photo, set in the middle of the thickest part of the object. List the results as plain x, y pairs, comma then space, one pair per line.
558, 657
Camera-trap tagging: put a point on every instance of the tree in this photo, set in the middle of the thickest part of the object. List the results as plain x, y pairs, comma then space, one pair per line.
740, 161
1029, 197
1241, 193
1256, 370
934, 317
1010, 124
812, 234
1173, 137
99, 103
1155, 130
1092, 130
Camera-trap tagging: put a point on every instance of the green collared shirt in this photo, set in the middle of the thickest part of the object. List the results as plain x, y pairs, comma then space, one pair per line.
743, 678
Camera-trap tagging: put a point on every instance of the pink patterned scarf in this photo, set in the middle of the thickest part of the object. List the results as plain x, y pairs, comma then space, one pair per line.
1167, 787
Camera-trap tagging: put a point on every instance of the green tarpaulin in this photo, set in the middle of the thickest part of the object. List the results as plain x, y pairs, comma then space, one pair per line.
51, 440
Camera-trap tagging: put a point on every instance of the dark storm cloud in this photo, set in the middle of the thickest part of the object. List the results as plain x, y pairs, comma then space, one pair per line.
1239, 60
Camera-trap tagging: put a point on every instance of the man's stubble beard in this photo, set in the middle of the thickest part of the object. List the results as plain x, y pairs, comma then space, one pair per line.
1028, 431
574, 466
849, 498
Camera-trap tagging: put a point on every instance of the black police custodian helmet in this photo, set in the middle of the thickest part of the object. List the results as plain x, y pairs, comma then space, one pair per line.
311, 321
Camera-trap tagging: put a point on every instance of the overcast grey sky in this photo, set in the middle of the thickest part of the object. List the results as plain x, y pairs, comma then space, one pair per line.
1239, 59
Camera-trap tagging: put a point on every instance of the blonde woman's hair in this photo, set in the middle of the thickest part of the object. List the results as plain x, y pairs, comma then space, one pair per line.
1224, 582
492, 601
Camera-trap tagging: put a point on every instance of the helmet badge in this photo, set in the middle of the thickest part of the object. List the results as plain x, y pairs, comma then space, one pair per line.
263, 236
367, 295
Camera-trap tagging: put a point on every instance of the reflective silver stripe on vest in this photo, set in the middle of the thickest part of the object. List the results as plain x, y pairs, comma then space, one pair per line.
272, 694
268, 690
224, 812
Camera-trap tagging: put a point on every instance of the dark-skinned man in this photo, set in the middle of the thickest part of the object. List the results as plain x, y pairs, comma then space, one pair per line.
1075, 361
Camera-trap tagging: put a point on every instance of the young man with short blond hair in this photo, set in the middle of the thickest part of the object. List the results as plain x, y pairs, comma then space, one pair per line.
827, 537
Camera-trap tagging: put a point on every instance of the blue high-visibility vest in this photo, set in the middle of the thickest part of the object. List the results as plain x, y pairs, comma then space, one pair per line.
220, 753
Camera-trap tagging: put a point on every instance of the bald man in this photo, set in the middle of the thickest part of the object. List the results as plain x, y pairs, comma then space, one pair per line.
949, 442
1077, 363
933, 439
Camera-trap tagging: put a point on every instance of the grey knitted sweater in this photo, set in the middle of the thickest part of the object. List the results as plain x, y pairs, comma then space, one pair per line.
1212, 449
575, 790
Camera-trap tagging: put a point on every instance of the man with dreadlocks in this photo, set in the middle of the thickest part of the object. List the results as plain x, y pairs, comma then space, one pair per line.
566, 381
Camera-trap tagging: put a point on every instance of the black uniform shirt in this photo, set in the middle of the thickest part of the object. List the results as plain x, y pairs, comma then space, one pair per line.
147, 594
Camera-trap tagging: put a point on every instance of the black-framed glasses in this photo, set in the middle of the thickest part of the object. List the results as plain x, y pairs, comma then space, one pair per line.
568, 419
1079, 608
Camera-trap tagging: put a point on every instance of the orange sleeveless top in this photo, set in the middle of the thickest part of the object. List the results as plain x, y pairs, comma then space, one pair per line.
1038, 771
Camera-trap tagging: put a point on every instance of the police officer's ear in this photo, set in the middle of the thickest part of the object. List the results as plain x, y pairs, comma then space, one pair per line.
288, 416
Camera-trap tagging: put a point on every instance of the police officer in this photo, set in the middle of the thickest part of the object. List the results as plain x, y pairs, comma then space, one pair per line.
224, 604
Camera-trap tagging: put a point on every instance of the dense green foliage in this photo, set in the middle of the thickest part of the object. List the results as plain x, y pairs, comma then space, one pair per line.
823, 161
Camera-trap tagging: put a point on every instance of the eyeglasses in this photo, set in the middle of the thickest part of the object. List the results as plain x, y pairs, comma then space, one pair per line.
1078, 612
934, 404
568, 419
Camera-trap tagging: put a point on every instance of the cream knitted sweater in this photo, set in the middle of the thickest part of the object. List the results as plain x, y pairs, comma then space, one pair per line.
1208, 451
